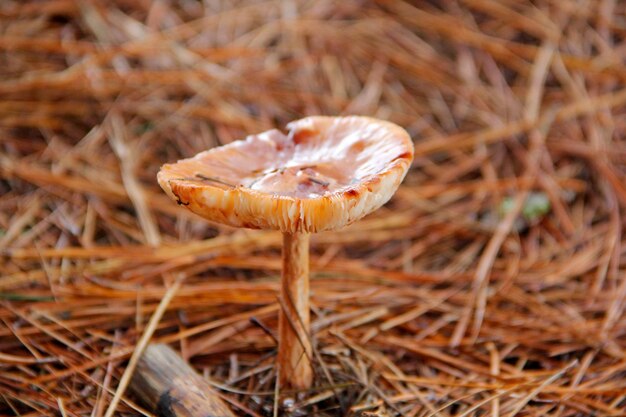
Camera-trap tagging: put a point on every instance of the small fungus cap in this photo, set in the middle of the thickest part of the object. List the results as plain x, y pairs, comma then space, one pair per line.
325, 173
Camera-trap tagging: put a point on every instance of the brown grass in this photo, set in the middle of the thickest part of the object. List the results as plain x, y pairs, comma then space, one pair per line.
492, 284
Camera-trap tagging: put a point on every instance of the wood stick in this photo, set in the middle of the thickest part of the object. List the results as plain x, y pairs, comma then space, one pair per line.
294, 348
168, 385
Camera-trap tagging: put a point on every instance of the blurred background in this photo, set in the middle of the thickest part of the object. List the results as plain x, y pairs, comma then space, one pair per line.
492, 284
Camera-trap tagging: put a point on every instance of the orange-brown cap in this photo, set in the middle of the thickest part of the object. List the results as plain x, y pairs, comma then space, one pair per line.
326, 172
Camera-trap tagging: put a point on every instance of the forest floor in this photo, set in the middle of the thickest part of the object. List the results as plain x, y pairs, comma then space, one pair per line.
493, 283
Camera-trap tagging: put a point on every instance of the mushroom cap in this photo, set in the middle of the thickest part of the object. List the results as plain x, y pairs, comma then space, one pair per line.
326, 172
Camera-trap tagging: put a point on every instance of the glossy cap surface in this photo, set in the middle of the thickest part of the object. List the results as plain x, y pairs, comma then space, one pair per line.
324, 173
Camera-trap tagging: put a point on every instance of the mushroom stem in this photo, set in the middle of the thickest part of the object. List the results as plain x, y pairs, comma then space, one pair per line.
294, 348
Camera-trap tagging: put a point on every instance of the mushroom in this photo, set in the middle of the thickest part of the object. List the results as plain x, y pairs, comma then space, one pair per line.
325, 173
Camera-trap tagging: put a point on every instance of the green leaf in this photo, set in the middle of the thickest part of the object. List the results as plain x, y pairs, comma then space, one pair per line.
536, 206
506, 206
